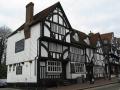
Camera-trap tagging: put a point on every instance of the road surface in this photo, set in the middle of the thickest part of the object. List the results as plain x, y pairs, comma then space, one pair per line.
107, 87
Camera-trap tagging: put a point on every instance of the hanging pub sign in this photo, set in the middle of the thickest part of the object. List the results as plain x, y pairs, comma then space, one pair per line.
19, 70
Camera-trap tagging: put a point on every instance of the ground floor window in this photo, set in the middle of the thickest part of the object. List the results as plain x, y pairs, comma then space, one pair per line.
54, 67
77, 67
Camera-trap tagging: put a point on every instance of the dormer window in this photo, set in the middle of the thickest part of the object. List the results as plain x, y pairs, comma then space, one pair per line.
76, 37
87, 41
98, 44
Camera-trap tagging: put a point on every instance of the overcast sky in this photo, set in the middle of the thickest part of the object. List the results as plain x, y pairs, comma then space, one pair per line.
84, 15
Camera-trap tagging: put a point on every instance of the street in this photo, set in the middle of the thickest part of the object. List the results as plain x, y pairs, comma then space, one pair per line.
107, 87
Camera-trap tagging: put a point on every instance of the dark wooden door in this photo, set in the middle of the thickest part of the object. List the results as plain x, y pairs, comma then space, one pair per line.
64, 69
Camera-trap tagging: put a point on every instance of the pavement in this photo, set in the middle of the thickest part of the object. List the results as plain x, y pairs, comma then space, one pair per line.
84, 86
98, 83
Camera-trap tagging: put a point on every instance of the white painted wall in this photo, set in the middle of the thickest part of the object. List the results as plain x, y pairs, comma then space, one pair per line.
68, 38
46, 32
29, 53
35, 34
65, 55
44, 53
28, 74
74, 76
30, 49
88, 50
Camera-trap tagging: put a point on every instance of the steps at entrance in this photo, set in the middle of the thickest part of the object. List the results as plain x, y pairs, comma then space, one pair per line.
66, 82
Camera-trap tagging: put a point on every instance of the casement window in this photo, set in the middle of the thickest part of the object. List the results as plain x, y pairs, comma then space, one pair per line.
75, 57
105, 42
19, 46
54, 67
18, 70
90, 52
77, 67
60, 20
76, 50
58, 29
76, 37
55, 47
76, 54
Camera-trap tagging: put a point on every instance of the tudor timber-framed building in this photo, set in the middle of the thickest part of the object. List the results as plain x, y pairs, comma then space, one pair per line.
43, 49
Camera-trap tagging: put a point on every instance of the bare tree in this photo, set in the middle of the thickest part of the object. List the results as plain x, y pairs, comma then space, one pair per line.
4, 33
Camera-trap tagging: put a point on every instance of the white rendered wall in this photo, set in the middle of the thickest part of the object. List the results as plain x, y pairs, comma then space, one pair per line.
46, 32
30, 49
28, 74
74, 76
89, 55
29, 54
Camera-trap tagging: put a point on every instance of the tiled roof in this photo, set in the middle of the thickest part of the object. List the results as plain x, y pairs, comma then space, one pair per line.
81, 36
41, 16
107, 36
94, 38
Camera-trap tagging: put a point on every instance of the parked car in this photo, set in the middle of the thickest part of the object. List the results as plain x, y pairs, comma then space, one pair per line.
3, 83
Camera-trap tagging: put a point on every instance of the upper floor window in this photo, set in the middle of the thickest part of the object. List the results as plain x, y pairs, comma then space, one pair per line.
19, 46
76, 37
105, 42
98, 44
55, 47
58, 29
76, 50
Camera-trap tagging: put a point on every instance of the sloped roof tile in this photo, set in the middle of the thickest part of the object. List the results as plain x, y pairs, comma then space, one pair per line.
41, 16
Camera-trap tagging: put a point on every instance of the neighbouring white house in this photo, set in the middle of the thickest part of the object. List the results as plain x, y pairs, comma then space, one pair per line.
42, 49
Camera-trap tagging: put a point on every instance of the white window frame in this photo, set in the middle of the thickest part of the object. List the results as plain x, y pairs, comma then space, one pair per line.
78, 67
55, 67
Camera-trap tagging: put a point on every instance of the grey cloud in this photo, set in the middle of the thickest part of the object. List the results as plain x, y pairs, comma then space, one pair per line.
85, 15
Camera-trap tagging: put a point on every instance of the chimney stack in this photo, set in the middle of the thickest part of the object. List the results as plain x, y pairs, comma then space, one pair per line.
29, 12
29, 18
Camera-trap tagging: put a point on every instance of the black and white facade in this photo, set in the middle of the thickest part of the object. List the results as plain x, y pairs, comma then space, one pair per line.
46, 48
41, 48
